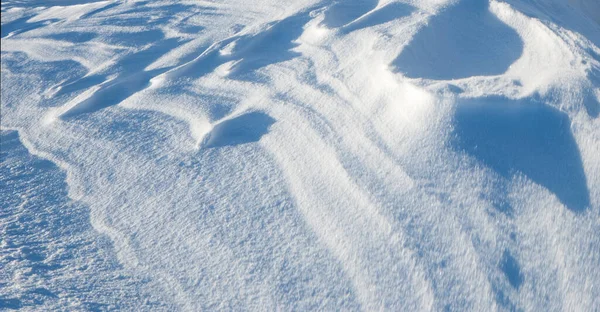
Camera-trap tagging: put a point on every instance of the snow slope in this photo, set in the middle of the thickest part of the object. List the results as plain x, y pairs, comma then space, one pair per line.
300, 155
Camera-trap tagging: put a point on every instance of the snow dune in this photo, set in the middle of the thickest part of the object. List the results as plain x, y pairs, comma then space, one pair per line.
300, 155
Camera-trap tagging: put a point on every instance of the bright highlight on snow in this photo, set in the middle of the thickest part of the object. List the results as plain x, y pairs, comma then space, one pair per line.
396, 155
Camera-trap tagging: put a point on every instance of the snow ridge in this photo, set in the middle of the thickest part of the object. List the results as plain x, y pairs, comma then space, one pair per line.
309, 155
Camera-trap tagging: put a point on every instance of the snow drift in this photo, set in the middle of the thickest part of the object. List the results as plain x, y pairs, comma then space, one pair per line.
300, 155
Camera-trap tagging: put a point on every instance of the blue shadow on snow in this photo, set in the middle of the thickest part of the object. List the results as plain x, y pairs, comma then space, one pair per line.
243, 129
511, 269
524, 136
387, 13
133, 79
464, 40
345, 12
274, 45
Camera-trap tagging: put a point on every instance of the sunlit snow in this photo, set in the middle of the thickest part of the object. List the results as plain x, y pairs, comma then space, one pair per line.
396, 155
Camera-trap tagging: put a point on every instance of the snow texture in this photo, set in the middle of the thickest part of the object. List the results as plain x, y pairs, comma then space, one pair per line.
401, 155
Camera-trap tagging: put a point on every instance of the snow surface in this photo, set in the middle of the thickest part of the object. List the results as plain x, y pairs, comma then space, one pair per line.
300, 155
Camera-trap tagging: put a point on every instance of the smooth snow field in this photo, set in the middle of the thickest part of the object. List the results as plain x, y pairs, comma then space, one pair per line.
328, 155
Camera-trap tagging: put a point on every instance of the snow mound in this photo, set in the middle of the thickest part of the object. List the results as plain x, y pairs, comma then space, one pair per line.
300, 155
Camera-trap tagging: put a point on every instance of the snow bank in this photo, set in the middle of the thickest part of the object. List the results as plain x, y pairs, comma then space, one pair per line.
309, 155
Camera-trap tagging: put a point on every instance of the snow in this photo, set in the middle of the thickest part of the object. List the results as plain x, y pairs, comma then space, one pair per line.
300, 155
